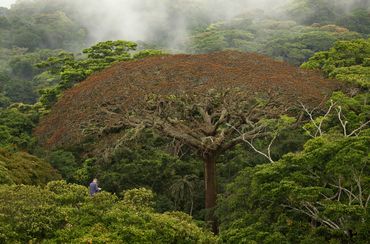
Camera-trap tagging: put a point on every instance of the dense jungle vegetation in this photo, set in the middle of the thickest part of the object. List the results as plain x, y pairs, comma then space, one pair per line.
297, 173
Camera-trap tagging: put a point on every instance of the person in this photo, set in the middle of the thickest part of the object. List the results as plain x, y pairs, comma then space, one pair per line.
94, 187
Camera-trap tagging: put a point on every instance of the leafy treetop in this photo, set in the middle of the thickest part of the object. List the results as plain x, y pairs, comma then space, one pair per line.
347, 61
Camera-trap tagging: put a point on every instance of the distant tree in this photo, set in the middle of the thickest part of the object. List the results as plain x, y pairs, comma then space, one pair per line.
4, 101
358, 20
64, 162
218, 37
18, 90
25, 38
314, 11
23, 168
17, 74
353, 15
16, 129
285, 40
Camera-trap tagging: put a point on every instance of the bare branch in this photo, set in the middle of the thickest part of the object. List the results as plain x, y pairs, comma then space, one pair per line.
327, 112
359, 128
269, 147
344, 124
313, 213
268, 155
367, 201
358, 182
340, 190
319, 125
348, 192
258, 151
330, 198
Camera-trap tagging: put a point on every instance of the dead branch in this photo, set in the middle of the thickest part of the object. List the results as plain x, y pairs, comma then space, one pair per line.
249, 142
344, 124
359, 128
317, 125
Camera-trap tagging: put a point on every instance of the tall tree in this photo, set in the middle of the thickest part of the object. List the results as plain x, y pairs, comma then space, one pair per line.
209, 122
226, 101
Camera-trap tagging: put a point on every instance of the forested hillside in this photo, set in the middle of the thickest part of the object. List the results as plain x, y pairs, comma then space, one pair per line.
204, 121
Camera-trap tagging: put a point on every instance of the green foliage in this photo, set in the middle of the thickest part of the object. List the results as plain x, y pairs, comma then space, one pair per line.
67, 194
353, 15
264, 204
139, 198
183, 191
313, 11
65, 163
149, 161
49, 96
222, 35
280, 39
27, 213
4, 101
65, 213
298, 47
5, 175
147, 53
20, 91
40, 29
358, 20
17, 68
26, 36
110, 51
346, 60
320, 194
346, 115
354, 111
23, 168
317, 194
15, 129
22, 63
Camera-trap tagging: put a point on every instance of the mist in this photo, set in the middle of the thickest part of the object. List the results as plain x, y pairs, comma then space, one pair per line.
164, 21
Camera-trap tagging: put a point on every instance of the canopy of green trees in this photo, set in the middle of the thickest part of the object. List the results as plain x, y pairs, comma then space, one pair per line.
284, 40
316, 190
348, 61
61, 212
23, 168
318, 195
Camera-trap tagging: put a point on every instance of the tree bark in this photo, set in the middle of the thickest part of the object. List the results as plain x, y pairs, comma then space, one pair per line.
210, 189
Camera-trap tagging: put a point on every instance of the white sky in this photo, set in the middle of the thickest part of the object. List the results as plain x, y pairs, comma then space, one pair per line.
6, 3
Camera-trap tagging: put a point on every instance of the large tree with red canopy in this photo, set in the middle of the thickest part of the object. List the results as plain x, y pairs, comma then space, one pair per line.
209, 102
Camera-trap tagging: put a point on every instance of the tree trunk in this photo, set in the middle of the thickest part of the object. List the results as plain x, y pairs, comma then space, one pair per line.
210, 190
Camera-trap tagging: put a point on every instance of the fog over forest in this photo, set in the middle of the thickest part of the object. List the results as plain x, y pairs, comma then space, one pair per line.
142, 20
145, 20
